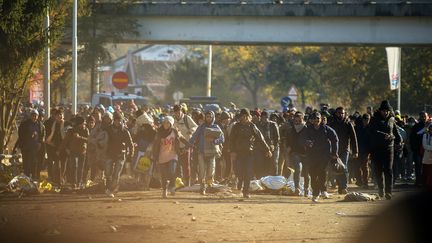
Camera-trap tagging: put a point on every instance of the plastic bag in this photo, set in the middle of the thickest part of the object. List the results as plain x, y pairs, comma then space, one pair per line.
255, 185
143, 164
45, 186
22, 183
274, 182
179, 183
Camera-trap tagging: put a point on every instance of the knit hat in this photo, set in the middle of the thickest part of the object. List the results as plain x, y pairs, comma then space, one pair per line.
385, 105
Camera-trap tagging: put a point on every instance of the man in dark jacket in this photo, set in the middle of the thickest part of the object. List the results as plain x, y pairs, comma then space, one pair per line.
361, 163
244, 138
55, 133
297, 152
416, 145
384, 136
119, 145
347, 140
31, 134
270, 132
321, 143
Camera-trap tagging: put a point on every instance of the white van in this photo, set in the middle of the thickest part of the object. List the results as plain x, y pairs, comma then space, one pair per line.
111, 99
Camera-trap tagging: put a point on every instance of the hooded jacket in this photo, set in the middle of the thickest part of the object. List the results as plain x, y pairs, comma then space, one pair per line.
379, 128
198, 137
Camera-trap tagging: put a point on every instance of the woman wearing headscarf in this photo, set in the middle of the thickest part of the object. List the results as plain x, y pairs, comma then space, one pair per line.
165, 153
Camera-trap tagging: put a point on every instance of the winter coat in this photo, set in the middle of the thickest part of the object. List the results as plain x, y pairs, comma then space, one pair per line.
416, 139
76, 145
383, 133
270, 132
198, 137
186, 126
346, 135
294, 141
324, 143
363, 139
31, 135
246, 137
119, 142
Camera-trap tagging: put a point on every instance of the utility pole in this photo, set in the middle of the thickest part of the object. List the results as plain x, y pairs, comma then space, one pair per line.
47, 69
74, 57
209, 71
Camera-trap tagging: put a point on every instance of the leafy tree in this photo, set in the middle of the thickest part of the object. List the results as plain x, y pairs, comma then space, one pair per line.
95, 31
247, 66
22, 40
189, 75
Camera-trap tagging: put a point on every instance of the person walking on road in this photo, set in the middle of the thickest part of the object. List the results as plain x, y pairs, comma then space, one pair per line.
244, 138
347, 142
321, 143
207, 138
166, 147
384, 136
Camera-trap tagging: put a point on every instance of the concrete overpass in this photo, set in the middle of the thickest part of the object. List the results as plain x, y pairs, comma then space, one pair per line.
296, 22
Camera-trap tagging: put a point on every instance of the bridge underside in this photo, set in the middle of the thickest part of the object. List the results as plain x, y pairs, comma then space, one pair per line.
320, 22
400, 31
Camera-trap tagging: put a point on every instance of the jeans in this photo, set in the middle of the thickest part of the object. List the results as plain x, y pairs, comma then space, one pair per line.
206, 167
244, 164
275, 169
113, 169
342, 180
76, 166
168, 173
296, 162
184, 170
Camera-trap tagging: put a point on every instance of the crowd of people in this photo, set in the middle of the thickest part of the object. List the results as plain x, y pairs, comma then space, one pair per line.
229, 145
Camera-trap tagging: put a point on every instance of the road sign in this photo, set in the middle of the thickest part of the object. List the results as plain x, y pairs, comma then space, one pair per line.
120, 80
286, 101
292, 93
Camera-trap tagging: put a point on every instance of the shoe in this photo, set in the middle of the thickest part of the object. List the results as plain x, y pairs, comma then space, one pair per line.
343, 191
109, 193
315, 199
297, 192
164, 193
246, 195
326, 195
306, 193
203, 192
388, 196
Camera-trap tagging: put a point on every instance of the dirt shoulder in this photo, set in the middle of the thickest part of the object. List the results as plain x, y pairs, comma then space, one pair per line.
187, 217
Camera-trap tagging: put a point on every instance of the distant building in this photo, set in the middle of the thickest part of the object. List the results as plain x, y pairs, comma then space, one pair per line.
148, 69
